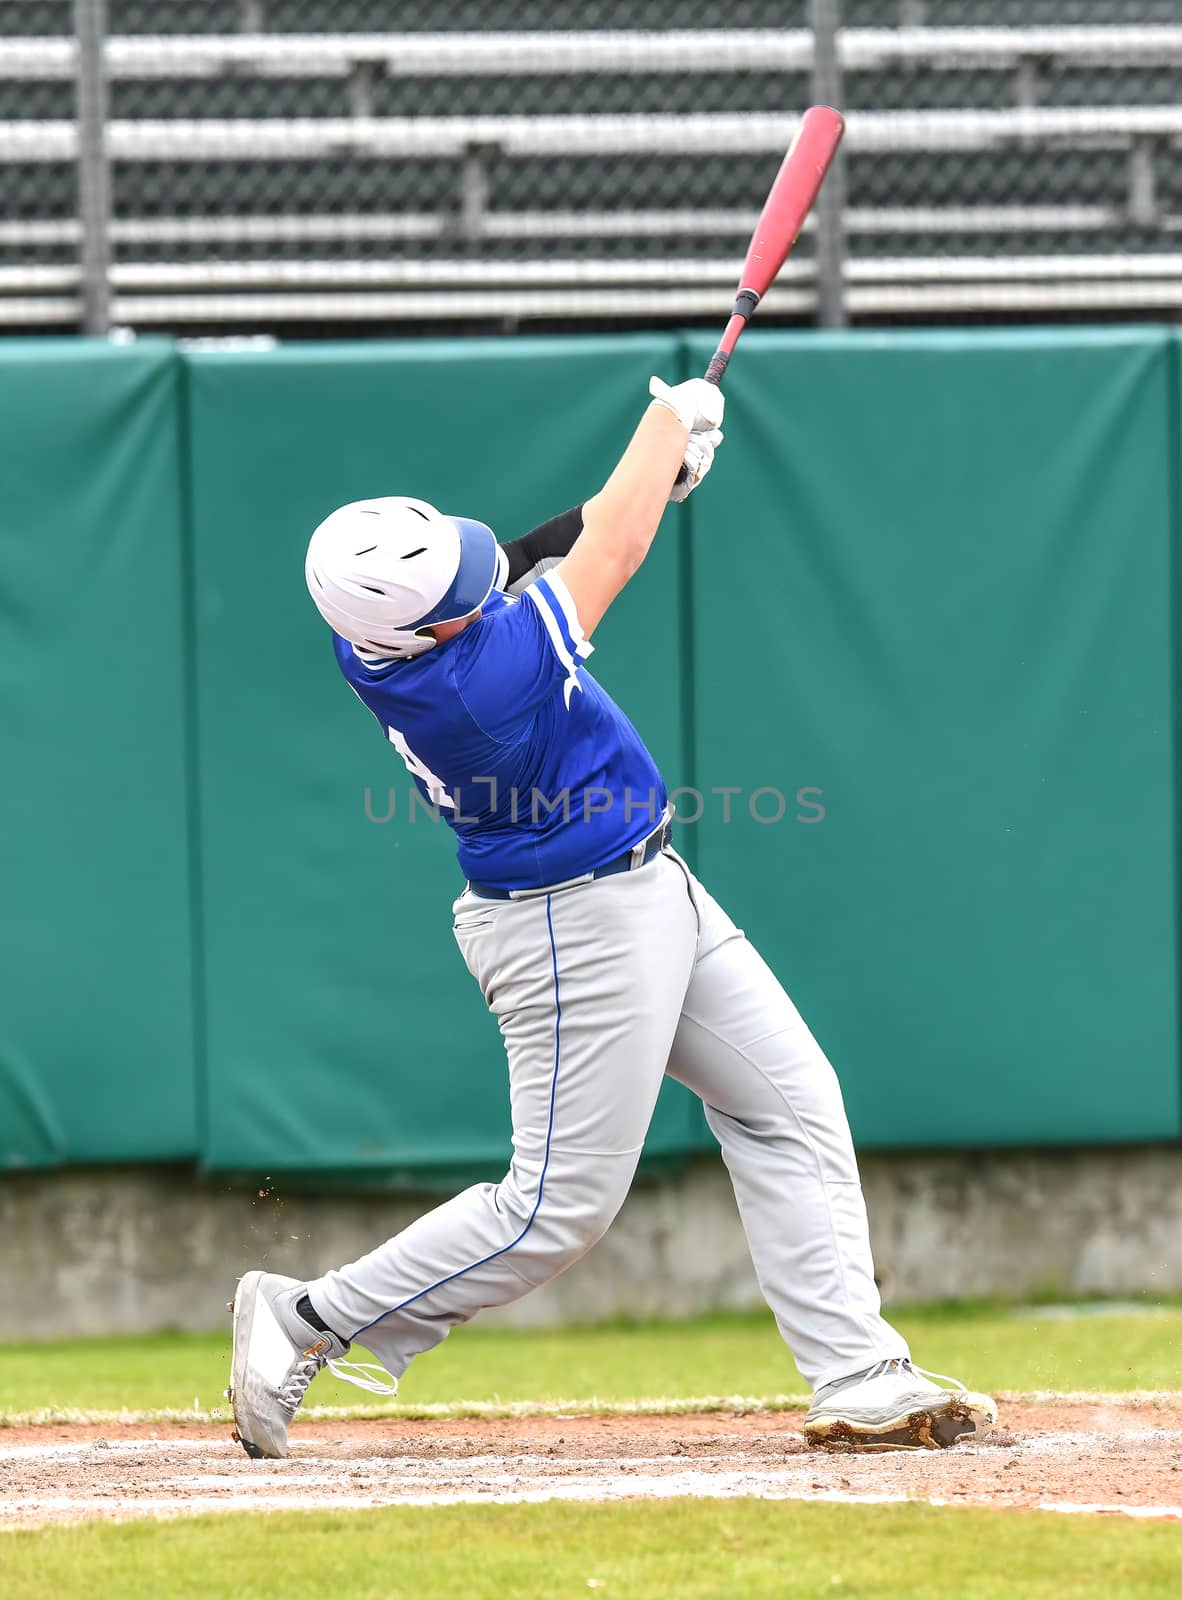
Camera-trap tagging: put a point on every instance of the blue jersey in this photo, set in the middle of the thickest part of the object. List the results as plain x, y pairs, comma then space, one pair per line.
536, 768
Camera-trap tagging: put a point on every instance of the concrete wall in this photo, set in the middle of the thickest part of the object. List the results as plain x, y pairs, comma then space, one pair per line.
120, 1251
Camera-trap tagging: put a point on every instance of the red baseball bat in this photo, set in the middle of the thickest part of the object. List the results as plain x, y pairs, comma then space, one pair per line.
789, 201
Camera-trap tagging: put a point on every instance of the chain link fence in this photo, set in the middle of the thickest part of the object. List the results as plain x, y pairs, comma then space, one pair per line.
308, 165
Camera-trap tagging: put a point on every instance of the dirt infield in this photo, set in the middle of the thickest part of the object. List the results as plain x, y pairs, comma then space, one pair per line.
1080, 1455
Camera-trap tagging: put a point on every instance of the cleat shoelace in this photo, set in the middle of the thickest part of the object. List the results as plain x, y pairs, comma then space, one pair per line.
295, 1386
362, 1374
365, 1375
901, 1364
940, 1377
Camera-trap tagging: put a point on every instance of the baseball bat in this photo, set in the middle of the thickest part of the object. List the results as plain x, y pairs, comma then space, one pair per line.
789, 202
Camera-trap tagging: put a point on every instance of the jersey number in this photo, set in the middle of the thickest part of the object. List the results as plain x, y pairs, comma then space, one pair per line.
418, 769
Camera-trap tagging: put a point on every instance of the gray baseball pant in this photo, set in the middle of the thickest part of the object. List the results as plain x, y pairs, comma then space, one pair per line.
599, 990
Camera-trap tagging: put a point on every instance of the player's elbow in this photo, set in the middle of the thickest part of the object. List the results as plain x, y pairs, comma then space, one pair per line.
622, 562
623, 538
630, 557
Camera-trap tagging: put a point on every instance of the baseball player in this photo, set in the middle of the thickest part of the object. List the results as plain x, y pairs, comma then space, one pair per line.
604, 961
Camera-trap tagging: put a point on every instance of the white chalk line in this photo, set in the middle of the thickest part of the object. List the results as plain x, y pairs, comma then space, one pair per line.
57, 1449
310, 1483
681, 1485
1096, 1442
130, 1506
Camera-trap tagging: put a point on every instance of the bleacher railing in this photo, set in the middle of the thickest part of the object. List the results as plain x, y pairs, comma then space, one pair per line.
1058, 190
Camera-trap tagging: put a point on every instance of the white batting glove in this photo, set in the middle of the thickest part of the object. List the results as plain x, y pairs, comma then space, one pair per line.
696, 404
699, 458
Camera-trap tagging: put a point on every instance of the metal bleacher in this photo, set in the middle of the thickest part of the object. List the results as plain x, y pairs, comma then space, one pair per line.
267, 169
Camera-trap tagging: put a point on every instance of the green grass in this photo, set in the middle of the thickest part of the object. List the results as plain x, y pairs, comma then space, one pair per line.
640, 1550
688, 1549
989, 1346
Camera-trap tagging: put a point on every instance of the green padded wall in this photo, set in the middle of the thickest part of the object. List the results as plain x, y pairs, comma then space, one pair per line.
934, 571
932, 577
96, 1014
342, 1029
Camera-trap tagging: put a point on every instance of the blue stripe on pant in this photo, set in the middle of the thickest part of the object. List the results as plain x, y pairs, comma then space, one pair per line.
452, 1276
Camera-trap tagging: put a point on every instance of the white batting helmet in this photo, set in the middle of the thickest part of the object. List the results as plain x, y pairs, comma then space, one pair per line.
382, 571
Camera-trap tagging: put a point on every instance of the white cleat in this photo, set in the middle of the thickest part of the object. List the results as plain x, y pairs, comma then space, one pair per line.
276, 1355
895, 1406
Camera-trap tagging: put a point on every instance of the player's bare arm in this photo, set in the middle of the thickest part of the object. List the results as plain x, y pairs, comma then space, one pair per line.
621, 521
523, 560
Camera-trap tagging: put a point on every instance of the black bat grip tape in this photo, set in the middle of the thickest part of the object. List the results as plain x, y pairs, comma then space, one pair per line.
745, 303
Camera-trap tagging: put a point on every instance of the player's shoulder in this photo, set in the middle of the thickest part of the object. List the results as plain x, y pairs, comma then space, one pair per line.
503, 649
496, 621
506, 613
496, 608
